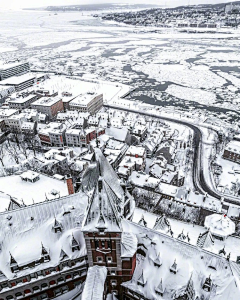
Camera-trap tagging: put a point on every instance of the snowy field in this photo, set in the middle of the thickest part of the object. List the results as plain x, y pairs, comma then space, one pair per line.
230, 177
167, 68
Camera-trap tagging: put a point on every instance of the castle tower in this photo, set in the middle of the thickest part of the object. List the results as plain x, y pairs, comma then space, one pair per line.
102, 226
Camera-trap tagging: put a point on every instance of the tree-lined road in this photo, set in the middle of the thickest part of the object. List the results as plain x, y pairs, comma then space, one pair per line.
199, 180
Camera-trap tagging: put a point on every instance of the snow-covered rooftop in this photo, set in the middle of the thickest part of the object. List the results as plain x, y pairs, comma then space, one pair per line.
94, 285
46, 101
84, 99
233, 146
220, 225
35, 192
170, 264
33, 226
15, 80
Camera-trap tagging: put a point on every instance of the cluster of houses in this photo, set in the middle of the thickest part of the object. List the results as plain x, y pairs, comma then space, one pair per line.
201, 16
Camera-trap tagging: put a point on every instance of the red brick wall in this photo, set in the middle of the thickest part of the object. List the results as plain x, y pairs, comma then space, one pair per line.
44, 138
55, 108
70, 186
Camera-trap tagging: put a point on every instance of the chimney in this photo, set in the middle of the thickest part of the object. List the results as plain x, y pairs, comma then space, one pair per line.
70, 184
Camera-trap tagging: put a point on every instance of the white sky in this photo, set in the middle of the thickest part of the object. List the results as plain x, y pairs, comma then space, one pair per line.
34, 3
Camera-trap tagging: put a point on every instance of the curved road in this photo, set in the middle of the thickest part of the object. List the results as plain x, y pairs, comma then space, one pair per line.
199, 181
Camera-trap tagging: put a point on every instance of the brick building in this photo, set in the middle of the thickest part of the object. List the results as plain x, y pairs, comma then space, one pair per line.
22, 102
90, 102
232, 151
48, 106
107, 245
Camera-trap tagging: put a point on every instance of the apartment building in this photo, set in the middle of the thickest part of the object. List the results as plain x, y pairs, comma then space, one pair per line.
57, 136
73, 137
90, 102
232, 151
44, 133
6, 113
15, 122
13, 69
49, 106
22, 82
5, 91
22, 102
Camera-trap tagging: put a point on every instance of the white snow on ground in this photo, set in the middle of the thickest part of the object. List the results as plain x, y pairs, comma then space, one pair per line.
234, 80
182, 75
78, 86
221, 58
176, 54
230, 175
190, 94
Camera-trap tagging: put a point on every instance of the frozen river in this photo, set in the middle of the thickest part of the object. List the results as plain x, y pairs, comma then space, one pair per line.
167, 67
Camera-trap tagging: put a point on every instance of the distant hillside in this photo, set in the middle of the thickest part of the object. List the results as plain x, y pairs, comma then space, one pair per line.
96, 7
218, 5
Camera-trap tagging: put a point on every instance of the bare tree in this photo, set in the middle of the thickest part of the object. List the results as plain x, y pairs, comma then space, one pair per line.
13, 150
24, 149
2, 153
14, 137
32, 141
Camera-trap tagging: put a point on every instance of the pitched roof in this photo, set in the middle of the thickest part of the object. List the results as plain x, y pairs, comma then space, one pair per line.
94, 285
162, 224
106, 198
205, 239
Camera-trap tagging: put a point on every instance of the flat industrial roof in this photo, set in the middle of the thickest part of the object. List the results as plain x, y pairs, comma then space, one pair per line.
84, 99
11, 65
16, 80
46, 101
21, 100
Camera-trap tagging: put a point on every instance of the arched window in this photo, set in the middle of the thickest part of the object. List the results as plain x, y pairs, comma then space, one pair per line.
18, 295
9, 297
36, 288
52, 282
27, 291
60, 279
44, 285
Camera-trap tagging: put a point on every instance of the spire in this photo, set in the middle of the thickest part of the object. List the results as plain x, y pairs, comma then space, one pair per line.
63, 255
173, 268
12, 261
222, 251
205, 240
44, 251
75, 245
142, 221
159, 289
44, 254
207, 284
162, 224
190, 287
141, 281
57, 226
107, 198
158, 261
182, 236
